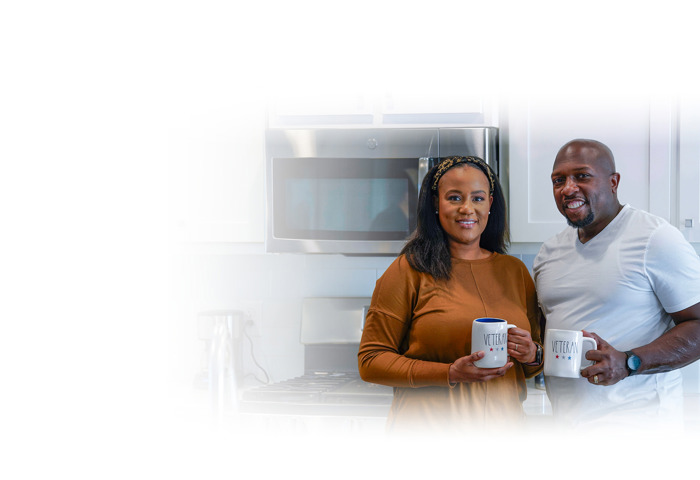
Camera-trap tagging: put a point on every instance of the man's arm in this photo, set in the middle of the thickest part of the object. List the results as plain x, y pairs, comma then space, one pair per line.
678, 347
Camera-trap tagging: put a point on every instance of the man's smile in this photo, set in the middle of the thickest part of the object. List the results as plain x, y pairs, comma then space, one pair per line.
573, 204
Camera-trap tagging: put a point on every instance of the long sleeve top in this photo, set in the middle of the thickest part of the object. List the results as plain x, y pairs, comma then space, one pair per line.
416, 327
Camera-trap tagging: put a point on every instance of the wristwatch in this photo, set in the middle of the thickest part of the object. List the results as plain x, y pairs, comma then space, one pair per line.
632, 363
538, 356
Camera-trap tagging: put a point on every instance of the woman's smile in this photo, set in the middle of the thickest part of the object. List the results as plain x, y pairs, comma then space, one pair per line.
467, 223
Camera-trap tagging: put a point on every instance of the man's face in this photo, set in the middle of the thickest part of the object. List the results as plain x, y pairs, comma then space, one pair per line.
584, 187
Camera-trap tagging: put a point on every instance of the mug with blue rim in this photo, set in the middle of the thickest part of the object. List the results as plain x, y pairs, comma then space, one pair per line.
491, 336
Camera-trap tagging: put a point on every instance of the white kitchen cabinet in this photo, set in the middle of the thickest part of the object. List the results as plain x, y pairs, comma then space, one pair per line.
439, 108
305, 110
217, 175
689, 169
640, 132
385, 109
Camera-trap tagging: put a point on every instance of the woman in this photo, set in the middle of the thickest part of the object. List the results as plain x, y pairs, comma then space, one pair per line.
453, 269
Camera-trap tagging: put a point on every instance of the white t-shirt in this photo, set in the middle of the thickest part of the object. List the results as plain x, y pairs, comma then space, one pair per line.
619, 285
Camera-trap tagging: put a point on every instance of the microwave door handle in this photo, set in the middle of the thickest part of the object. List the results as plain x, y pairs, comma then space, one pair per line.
365, 310
424, 164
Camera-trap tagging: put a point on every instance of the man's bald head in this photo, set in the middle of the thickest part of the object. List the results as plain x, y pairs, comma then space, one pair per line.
589, 149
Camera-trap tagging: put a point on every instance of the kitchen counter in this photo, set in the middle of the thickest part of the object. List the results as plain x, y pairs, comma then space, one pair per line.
537, 404
263, 412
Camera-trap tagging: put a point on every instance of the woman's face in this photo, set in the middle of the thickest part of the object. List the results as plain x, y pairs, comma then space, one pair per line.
463, 203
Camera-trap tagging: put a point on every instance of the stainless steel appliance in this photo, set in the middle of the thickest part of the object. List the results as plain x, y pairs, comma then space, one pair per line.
331, 385
355, 191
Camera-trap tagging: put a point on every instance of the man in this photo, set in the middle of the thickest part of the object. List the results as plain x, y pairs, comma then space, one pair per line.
629, 280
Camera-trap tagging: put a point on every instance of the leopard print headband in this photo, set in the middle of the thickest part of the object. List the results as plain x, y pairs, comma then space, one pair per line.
450, 162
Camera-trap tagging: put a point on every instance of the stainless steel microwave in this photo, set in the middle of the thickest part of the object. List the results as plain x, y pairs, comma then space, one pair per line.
354, 191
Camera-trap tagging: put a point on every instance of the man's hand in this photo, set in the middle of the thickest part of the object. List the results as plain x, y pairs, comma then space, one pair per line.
610, 366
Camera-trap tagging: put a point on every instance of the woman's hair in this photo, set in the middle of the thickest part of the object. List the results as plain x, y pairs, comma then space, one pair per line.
427, 249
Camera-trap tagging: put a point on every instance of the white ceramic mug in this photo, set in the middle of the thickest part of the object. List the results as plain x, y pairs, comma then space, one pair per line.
565, 352
491, 336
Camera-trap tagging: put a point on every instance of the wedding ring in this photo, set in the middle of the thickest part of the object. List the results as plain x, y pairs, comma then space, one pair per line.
516, 347
595, 379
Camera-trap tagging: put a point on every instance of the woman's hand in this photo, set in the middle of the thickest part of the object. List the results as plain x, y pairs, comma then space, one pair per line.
520, 345
463, 370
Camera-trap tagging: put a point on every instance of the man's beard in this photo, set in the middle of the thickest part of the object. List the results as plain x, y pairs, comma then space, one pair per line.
581, 223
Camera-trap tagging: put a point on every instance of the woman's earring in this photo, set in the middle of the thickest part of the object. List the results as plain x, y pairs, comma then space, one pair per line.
436, 212
489, 213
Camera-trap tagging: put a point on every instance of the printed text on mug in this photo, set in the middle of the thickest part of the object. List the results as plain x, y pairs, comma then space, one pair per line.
491, 339
564, 346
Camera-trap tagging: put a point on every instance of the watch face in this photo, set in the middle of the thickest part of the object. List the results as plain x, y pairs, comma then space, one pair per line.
633, 361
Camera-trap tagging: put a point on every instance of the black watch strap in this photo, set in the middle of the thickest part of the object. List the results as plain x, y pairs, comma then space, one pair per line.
538, 356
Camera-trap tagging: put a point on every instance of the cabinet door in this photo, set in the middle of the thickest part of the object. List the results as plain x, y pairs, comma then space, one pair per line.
390, 109
217, 175
535, 129
437, 108
305, 110
689, 170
